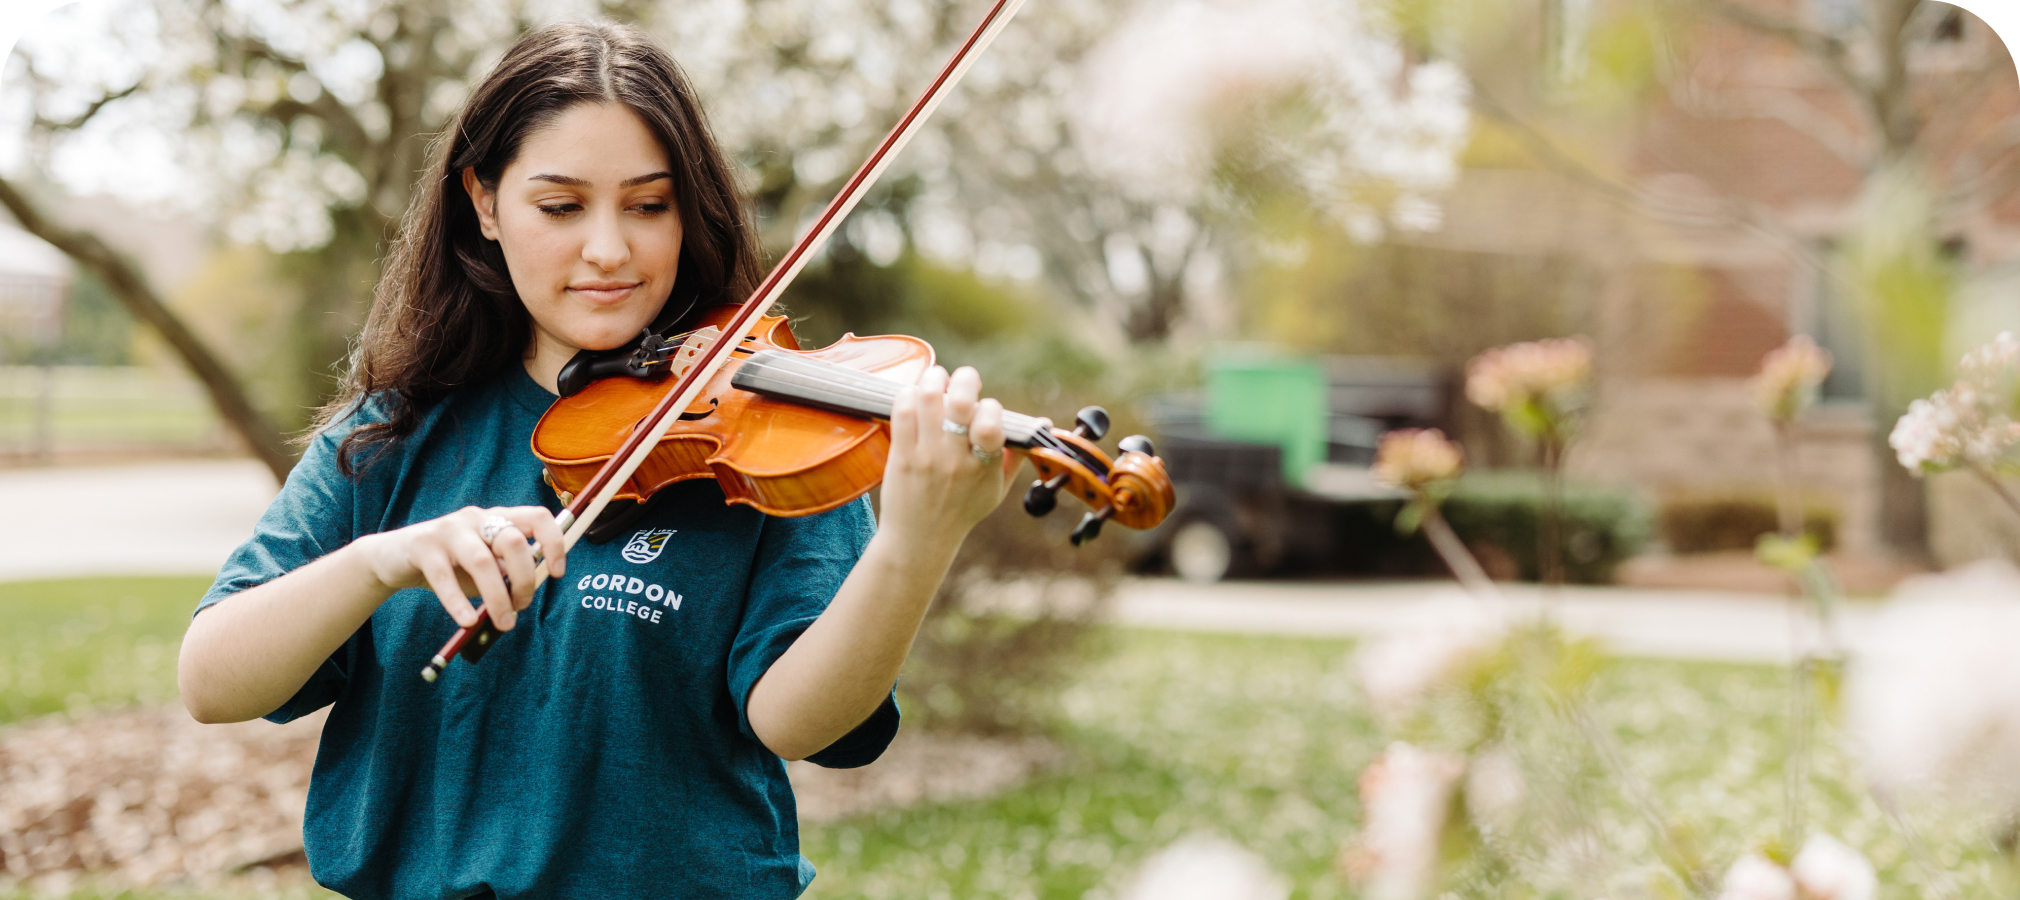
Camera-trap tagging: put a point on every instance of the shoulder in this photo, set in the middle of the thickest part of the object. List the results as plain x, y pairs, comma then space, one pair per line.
842, 532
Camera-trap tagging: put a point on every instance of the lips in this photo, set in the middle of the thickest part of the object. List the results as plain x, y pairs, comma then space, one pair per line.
604, 291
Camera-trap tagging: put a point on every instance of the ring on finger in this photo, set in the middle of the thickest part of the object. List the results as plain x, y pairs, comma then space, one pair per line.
492, 525
985, 457
952, 427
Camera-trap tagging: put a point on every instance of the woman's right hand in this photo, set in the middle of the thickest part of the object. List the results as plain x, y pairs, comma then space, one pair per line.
450, 556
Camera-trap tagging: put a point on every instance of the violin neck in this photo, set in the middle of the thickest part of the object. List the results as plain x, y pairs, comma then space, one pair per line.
823, 385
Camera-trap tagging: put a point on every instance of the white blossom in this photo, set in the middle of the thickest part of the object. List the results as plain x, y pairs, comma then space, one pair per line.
1159, 92
1921, 438
1828, 869
1495, 787
1205, 867
1755, 877
1932, 699
1969, 423
1429, 645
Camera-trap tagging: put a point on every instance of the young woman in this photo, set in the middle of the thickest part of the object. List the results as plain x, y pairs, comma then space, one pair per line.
627, 738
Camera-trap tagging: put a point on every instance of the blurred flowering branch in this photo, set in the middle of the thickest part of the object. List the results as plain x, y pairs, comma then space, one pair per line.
1786, 386
1541, 389
1969, 425
1422, 462
1508, 673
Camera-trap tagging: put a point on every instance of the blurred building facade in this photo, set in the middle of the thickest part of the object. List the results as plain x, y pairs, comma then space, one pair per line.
1717, 248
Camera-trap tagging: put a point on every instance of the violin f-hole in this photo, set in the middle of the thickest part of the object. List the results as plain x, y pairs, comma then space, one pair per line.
692, 416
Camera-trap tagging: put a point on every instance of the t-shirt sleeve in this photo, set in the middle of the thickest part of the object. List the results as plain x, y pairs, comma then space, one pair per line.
801, 563
311, 516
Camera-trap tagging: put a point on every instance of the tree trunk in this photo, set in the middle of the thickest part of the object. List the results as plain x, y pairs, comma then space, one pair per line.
126, 282
1904, 507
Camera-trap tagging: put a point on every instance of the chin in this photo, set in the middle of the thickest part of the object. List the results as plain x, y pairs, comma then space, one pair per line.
603, 339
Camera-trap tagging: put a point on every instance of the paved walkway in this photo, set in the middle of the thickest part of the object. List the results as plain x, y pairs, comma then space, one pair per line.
1683, 624
185, 517
155, 518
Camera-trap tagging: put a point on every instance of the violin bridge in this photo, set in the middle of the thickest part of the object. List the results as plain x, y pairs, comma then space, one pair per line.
692, 348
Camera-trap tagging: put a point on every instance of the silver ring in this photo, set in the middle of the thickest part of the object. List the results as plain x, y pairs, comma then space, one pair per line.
985, 457
952, 427
489, 530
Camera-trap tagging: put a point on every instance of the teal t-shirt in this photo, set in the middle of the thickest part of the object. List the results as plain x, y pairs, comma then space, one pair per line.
600, 749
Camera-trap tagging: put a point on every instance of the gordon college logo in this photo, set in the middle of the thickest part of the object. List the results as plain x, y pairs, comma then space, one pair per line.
644, 545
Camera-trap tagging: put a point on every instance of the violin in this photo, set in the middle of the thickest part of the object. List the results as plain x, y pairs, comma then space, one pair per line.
793, 432
730, 395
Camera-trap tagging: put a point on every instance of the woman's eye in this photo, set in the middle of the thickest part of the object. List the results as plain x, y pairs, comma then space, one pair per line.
560, 210
651, 209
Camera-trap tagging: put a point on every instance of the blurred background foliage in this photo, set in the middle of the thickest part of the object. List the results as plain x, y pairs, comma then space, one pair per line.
1113, 195
1118, 195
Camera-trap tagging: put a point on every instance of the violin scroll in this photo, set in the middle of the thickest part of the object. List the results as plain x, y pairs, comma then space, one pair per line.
1131, 489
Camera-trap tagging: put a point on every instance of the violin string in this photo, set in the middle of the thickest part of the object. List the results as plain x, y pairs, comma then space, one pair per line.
829, 376
823, 376
874, 394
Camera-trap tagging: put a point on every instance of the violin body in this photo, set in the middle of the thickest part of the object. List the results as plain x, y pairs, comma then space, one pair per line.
794, 432
784, 459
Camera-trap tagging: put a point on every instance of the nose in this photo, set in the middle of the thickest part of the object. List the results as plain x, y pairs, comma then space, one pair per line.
605, 246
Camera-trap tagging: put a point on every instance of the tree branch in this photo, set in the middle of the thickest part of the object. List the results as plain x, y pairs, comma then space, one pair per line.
126, 283
1981, 165
1728, 213
1829, 50
43, 123
1787, 108
343, 125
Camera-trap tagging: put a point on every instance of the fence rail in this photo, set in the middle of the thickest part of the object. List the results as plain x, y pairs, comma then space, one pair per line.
48, 412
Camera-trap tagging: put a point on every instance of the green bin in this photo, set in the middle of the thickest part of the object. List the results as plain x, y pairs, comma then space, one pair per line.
1270, 400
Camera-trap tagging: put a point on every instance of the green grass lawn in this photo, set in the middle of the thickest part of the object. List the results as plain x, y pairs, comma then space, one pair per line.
78, 644
1260, 740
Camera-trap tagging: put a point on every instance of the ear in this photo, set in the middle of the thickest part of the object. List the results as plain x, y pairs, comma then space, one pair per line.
485, 202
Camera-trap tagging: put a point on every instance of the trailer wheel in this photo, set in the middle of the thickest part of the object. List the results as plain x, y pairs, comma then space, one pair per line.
1201, 552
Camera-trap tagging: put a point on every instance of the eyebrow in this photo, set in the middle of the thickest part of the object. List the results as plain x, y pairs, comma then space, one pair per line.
572, 181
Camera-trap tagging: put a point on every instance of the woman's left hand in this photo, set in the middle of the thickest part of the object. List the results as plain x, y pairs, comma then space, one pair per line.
947, 469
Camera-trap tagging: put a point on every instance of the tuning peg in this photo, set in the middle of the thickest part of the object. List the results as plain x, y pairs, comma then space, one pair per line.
1091, 423
1043, 496
1090, 525
1137, 443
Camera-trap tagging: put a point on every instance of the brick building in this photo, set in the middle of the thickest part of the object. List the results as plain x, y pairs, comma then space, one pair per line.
1732, 187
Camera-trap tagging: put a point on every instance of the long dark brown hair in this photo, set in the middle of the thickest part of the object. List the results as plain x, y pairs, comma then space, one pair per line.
445, 312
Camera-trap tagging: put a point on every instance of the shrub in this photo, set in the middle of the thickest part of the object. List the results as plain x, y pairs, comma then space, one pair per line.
1502, 511
1013, 620
1705, 523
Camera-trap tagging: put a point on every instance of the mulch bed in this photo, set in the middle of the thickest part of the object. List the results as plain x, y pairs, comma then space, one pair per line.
149, 797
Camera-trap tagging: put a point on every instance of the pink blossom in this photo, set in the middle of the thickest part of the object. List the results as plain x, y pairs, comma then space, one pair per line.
1536, 386
1789, 376
1412, 458
1405, 795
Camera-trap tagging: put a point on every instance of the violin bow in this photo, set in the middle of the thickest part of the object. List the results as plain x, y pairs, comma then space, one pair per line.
594, 497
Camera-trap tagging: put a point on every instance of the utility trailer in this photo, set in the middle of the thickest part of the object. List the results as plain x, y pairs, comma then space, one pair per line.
1271, 461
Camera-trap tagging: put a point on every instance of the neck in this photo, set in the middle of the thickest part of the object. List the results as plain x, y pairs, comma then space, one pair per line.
544, 359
